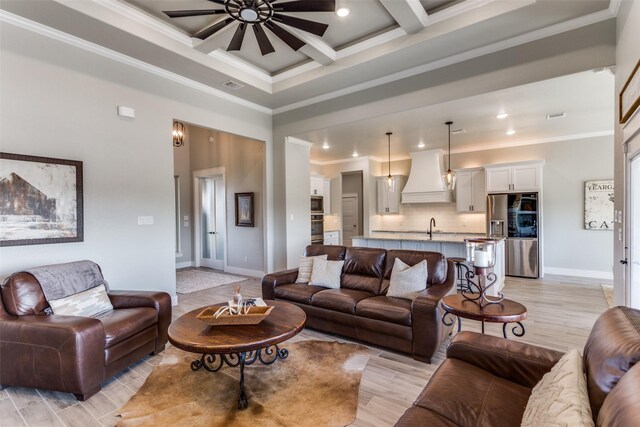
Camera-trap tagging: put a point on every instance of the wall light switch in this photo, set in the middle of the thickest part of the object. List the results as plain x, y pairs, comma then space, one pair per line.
186, 224
186, 217
145, 220
291, 217
126, 112
620, 217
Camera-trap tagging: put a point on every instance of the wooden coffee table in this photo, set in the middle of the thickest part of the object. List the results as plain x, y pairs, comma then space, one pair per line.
237, 345
506, 311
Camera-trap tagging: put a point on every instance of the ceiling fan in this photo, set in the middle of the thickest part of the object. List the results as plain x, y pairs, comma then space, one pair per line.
258, 13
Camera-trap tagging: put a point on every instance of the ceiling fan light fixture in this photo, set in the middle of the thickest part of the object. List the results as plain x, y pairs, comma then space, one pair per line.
249, 14
343, 11
449, 177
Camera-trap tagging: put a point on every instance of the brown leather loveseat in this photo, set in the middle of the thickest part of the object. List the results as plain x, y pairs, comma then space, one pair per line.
487, 381
361, 310
75, 354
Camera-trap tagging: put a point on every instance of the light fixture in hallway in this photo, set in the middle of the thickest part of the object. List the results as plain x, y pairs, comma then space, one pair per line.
178, 134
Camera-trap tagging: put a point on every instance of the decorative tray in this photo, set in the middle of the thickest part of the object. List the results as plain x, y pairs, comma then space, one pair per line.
256, 315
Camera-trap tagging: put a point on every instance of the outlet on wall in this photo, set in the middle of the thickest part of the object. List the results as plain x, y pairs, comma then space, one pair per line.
145, 220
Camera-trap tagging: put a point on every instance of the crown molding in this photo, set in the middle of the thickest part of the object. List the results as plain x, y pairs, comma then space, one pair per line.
63, 37
614, 7
532, 36
144, 19
347, 160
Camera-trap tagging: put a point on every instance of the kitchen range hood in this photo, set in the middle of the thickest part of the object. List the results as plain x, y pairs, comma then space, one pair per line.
425, 179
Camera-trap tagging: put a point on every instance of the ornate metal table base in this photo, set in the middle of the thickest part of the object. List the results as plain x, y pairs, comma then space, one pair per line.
214, 362
448, 319
483, 279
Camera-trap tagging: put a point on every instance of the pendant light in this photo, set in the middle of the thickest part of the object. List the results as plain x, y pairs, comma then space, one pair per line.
391, 184
449, 177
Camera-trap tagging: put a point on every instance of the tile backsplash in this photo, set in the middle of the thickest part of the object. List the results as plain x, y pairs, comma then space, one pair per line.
415, 217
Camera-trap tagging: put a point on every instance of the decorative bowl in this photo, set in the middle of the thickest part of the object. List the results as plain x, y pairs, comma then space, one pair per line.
256, 315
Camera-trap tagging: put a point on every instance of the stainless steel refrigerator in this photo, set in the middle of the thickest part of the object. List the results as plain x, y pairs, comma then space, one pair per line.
516, 217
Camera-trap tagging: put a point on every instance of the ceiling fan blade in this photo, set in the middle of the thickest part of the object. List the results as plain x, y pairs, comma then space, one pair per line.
263, 41
209, 31
306, 6
284, 35
238, 37
185, 13
312, 27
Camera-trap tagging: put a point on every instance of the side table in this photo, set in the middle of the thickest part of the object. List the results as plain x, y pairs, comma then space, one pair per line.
505, 312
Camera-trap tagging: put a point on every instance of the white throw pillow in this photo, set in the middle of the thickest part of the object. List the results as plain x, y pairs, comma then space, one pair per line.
326, 273
561, 397
407, 281
88, 303
306, 267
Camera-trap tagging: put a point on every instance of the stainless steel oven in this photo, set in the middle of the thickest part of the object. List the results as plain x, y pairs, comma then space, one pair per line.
317, 205
317, 229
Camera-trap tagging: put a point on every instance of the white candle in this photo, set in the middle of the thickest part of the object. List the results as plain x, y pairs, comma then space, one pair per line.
480, 258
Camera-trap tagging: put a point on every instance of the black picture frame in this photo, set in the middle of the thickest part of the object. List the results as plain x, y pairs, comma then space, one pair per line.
27, 215
244, 210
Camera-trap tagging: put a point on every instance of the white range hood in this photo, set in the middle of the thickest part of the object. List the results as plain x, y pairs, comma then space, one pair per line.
425, 179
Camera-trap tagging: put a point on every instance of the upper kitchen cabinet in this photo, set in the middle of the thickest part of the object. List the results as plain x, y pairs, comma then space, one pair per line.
522, 176
470, 190
389, 201
317, 185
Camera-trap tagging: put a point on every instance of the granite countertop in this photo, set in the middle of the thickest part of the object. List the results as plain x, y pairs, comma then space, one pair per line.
421, 236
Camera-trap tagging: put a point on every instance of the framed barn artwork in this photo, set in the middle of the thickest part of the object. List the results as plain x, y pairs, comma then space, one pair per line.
40, 200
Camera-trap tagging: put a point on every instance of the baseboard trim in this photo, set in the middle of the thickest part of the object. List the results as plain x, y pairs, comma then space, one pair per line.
174, 299
592, 274
244, 271
184, 264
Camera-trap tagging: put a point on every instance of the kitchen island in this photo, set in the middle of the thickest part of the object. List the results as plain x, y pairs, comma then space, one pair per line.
451, 245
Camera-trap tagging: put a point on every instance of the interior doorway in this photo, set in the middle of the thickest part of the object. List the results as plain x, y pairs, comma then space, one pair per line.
633, 237
350, 217
210, 218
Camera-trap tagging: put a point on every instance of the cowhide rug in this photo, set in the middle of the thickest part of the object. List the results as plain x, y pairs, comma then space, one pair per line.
317, 385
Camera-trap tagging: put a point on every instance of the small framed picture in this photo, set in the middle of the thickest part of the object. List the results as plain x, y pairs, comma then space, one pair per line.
40, 200
244, 210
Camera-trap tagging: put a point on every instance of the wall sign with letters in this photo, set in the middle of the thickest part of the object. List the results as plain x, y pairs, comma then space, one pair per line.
598, 205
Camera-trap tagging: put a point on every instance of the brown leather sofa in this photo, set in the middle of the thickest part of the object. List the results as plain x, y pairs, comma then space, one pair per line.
487, 381
360, 309
75, 354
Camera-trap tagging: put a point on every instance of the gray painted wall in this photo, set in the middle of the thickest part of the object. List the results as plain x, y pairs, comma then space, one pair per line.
60, 101
243, 160
627, 54
298, 201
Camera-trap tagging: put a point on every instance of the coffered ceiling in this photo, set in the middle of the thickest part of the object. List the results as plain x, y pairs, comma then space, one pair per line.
379, 41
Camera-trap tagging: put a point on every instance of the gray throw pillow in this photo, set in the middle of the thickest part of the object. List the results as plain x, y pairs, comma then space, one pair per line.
407, 281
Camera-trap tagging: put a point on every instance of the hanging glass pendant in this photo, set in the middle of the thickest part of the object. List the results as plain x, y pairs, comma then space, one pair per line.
449, 180
449, 177
391, 184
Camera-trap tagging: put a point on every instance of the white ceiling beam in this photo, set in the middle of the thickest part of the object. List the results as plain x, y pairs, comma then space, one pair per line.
314, 48
409, 14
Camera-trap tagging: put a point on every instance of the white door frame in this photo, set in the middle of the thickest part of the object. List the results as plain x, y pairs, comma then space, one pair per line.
632, 152
197, 211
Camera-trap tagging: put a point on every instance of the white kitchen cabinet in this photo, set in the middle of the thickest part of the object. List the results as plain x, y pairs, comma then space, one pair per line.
326, 196
317, 185
331, 237
470, 190
523, 176
389, 201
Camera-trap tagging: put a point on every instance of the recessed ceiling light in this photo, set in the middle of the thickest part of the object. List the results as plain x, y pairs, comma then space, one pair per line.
421, 145
325, 146
355, 154
511, 132
502, 116
342, 12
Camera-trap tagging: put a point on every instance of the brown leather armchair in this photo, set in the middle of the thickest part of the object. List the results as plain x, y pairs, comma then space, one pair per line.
75, 354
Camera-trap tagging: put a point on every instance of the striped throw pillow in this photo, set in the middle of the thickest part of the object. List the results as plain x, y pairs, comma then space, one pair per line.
306, 267
88, 303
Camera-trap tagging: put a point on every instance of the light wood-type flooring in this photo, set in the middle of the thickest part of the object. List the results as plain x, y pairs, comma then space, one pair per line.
561, 313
